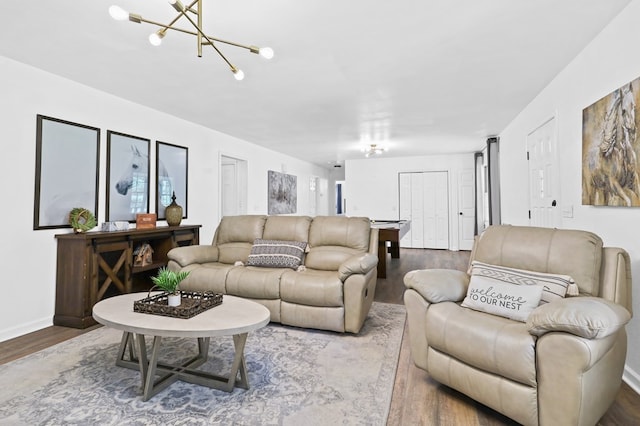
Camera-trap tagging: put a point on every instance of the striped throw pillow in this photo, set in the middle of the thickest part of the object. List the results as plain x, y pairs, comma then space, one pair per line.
555, 286
276, 253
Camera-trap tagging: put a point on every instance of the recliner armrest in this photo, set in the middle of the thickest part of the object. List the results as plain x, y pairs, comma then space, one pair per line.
360, 264
587, 317
438, 285
188, 255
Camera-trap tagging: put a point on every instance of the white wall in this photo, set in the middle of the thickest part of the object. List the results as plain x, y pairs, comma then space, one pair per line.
607, 63
28, 257
372, 188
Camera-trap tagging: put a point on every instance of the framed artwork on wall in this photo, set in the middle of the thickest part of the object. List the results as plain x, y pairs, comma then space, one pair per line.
282, 193
610, 149
67, 164
172, 175
127, 176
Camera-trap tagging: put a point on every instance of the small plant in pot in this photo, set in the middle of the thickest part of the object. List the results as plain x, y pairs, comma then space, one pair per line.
168, 281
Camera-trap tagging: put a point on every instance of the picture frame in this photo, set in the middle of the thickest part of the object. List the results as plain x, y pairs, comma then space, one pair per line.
127, 176
610, 149
172, 175
282, 193
67, 164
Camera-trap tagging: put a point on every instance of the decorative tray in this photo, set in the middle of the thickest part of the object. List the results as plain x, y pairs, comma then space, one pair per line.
192, 304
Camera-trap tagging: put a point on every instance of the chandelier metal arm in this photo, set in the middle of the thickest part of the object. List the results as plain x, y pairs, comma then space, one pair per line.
194, 7
202, 34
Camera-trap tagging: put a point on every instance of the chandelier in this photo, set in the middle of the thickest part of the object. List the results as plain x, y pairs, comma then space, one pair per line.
372, 149
155, 38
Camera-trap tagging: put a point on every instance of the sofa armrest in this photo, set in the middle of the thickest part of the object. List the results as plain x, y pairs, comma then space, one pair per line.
360, 264
438, 285
193, 254
587, 317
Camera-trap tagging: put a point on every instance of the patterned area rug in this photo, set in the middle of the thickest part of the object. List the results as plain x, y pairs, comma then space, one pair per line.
296, 376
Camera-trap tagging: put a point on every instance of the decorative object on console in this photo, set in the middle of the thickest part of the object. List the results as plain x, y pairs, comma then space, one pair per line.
127, 176
283, 193
143, 255
172, 176
173, 212
610, 172
146, 220
63, 145
155, 38
169, 281
81, 219
118, 225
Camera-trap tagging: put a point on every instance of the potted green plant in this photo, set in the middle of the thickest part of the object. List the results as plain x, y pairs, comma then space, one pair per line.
168, 281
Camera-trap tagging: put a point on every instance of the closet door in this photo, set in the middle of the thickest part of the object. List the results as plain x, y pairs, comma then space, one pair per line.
424, 200
404, 182
441, 201
417, 210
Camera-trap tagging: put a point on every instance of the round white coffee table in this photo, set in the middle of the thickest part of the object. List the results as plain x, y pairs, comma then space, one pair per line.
234, 317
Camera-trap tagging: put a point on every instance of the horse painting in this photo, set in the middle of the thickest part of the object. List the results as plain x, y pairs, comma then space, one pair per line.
610, 167
131, 185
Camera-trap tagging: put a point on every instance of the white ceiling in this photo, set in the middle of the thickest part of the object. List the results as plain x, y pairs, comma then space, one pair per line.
419, 76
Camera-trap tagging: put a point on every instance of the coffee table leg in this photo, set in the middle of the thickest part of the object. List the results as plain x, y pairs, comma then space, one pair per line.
239, 363
149, 366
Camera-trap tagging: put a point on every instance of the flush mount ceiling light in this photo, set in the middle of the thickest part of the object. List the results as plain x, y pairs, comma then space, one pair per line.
155, 38
372, 149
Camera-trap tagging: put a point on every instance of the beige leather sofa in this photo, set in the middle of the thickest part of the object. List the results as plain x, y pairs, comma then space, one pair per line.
333, 291
563, 366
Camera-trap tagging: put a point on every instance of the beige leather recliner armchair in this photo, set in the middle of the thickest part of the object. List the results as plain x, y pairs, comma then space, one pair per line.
564, 365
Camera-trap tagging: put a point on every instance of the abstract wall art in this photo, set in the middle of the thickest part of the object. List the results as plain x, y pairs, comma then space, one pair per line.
282, 193
610, 149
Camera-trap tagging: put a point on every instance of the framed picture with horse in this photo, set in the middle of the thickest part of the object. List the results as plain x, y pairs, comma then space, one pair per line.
127, 176
172, 170
67, 163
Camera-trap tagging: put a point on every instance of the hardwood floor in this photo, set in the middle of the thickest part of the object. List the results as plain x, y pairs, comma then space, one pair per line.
417, 399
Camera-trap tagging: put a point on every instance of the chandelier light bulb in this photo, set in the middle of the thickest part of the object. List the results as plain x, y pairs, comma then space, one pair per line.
177, 5
266, 52
118, 13
155, 39
238, 74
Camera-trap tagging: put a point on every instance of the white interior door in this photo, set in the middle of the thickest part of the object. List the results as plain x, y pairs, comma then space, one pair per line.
466, 206
543, 176
233, 186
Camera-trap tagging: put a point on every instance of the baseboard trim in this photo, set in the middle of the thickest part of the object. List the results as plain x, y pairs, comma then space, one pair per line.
25, 329
631, 378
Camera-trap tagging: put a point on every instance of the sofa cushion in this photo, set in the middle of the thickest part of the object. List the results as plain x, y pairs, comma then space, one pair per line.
254, 283
507, 300
206, 277
276, 253
555, 286
312, 288
235, 235
289, 228
486, 342
334, 239
557, 251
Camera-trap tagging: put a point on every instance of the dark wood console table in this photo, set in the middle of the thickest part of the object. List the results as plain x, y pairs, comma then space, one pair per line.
95, 265
392, 231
